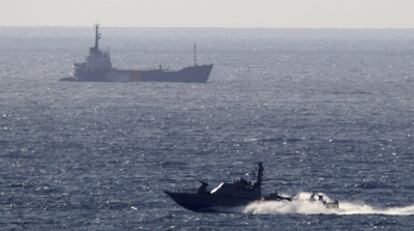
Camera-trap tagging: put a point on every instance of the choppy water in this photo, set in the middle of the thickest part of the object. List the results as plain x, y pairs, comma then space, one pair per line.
327, 111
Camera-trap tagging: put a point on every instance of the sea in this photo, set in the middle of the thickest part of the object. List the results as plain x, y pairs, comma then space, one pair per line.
326, 110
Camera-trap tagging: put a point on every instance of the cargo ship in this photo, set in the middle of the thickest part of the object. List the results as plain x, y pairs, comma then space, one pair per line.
98, 68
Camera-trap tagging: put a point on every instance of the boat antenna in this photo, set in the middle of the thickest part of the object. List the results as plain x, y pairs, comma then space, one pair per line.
260, 171
195, 54
97, 37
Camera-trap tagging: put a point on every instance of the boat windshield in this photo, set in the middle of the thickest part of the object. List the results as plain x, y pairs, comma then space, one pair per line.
217, 188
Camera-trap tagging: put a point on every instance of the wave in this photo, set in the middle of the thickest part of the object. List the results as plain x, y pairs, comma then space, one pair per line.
302, 205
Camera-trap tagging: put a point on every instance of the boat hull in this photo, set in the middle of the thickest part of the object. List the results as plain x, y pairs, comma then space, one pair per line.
206, 202
192, 74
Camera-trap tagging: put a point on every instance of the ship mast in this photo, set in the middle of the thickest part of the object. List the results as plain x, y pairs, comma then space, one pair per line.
259, 180
195, 54
97, 37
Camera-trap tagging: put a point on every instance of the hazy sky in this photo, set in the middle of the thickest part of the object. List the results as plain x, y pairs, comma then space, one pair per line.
210, 13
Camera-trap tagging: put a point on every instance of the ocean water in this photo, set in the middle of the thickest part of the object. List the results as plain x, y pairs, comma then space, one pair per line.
328, 111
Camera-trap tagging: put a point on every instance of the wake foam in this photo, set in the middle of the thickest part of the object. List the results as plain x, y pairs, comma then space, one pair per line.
302, 205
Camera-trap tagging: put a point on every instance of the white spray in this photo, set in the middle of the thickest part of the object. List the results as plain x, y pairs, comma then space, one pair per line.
302, 205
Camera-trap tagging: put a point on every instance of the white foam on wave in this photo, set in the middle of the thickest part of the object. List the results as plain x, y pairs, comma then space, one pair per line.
302, 205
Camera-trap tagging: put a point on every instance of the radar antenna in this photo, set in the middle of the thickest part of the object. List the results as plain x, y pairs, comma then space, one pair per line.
259, 180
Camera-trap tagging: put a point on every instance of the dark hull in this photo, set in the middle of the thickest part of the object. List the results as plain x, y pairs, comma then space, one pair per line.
193, 74
206, 202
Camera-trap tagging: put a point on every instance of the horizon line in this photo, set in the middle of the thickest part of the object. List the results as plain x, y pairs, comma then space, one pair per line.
212, 27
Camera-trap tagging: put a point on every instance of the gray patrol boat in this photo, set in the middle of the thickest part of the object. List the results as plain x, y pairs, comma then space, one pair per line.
98, 67
239, 193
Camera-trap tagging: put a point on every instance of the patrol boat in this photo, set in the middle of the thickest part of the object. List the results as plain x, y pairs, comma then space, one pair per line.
98, 67
239, 193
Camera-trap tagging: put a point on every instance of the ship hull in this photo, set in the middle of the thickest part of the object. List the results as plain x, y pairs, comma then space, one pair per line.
210, 203
206, 202
192, 74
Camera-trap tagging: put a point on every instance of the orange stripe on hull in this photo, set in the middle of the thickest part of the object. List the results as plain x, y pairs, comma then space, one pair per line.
135, 76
